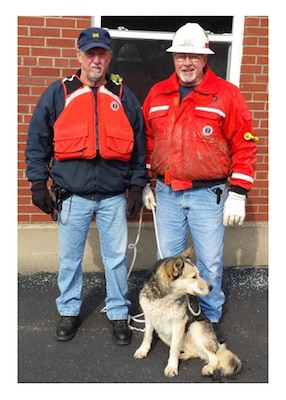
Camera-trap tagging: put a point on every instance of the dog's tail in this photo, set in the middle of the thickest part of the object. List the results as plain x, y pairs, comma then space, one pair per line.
229, 363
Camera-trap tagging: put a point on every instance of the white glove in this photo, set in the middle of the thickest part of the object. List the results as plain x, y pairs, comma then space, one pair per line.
148, 198
234, 209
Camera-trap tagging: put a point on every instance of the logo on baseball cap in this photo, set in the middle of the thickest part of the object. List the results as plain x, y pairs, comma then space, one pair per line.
94, 37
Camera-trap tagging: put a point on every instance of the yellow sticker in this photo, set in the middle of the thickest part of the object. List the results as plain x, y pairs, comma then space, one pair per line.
249, 136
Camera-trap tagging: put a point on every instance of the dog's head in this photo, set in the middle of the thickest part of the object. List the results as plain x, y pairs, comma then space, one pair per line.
184, 277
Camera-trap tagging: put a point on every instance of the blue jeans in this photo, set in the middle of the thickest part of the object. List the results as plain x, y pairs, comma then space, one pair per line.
74, 223
197, 213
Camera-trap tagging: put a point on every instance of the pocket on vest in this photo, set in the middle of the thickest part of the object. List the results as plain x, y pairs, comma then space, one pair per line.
74, 142
117, 146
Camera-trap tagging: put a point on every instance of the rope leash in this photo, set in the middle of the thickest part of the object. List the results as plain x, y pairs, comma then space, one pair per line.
139, 318
133, 246
156, 232
195, 313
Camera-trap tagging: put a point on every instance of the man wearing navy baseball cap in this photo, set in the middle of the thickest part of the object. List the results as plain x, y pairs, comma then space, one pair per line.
94, 55
89, 128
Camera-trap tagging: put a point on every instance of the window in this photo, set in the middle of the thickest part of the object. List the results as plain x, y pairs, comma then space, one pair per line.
140, 43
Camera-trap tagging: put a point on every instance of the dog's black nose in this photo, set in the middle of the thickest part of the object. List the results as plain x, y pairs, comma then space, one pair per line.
210, 287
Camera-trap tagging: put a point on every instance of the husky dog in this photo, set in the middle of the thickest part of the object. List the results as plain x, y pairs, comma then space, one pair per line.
171, 308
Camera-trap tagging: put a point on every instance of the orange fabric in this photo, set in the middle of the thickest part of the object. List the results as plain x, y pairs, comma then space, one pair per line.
83, 127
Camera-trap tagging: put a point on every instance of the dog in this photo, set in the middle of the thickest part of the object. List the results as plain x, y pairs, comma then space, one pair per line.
169, 302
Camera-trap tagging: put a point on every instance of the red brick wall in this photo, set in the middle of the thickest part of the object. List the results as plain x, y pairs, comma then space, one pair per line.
46, 52
254, 86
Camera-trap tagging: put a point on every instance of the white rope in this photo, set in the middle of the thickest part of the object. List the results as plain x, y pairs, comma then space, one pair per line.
136, 318
156, 231
195, 314
132, 246
139, 318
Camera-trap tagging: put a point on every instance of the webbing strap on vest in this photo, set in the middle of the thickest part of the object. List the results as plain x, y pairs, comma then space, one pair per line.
72, 83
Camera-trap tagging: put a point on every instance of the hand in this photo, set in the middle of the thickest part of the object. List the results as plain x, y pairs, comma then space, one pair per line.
234, 209
41, 197
148, 197
134, 201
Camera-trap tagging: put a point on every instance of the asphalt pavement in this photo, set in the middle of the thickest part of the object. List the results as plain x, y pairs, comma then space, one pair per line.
92, 357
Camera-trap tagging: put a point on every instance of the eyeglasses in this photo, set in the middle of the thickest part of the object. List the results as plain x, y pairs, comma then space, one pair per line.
180, 57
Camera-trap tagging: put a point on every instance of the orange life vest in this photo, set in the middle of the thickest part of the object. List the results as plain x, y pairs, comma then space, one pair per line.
86, 127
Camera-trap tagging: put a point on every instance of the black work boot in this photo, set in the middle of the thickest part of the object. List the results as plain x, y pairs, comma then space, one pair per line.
67, 327
121, 333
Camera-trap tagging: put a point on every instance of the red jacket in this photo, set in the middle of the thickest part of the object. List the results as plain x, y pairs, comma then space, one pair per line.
201, 138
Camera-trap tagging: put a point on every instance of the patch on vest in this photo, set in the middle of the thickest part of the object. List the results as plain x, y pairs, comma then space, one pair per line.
114, 106
207, 130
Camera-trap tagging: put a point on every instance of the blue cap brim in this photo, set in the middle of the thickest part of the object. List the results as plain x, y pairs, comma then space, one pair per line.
92, 45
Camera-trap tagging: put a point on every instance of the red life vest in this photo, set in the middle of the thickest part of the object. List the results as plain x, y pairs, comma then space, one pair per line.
86, 127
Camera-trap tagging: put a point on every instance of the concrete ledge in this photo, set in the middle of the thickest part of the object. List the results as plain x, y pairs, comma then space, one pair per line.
246, 245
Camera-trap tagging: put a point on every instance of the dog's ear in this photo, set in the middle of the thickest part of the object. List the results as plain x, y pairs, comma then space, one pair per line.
188, 252
175, 268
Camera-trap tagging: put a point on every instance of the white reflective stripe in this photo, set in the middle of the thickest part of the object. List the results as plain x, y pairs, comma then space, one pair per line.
78, 92
148, 166
69, 79
213, 110
158, 108
103, 89
237, 175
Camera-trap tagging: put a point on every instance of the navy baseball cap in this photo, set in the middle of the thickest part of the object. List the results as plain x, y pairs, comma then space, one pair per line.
94, 37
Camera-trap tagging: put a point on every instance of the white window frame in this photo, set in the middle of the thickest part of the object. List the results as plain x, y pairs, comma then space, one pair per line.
235, 39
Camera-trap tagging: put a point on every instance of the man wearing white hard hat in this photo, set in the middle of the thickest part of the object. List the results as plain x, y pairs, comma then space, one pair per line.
204, 164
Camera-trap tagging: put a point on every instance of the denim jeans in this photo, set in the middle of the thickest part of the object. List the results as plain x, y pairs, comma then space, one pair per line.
74, 223
195, 212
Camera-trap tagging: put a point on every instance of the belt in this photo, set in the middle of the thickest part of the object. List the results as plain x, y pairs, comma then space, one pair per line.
198, 184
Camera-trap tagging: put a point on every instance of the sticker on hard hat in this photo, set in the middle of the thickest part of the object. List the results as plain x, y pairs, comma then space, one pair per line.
207, 130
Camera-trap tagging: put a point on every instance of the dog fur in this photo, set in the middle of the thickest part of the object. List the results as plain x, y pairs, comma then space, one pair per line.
169, 303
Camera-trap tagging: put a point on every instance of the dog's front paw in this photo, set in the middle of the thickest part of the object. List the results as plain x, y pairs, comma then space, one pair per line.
170, 371
141, 352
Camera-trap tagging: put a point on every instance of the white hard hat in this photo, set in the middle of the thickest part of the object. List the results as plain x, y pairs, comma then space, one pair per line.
190, 38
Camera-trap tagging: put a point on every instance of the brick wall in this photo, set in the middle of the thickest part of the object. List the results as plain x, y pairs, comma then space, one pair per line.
46, 52
254, 86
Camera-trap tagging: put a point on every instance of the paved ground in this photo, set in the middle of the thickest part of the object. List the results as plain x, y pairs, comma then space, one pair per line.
91, 357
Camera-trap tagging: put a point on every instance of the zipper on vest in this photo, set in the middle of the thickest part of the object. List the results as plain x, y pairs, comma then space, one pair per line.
94, 91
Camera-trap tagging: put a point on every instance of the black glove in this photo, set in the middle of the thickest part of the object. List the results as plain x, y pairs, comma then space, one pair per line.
135, 201
41, 197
